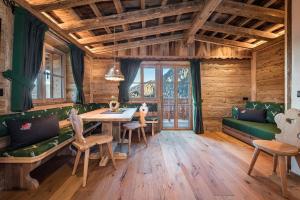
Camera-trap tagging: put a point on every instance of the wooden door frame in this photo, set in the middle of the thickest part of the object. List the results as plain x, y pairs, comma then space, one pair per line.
175, 66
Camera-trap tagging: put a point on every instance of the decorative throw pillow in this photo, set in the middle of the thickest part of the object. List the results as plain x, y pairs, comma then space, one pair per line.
252, 115
254, 105
272, 110
31, 131
235, 112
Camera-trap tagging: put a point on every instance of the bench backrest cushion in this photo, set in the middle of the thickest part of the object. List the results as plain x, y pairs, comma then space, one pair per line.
152, 107
30, 131
61, 113
272, 108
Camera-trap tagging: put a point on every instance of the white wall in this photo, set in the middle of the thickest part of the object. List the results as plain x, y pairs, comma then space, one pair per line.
295, 53
295, 101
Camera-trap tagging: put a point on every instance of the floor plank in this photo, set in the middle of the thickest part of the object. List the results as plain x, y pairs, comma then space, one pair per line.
175, 165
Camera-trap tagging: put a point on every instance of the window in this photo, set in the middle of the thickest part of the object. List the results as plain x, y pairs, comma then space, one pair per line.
50, 81
144, 84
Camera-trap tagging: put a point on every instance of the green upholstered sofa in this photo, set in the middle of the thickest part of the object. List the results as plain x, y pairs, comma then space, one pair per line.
18, 163
248, 131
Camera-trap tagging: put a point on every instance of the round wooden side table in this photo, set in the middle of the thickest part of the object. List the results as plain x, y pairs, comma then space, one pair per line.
280, 151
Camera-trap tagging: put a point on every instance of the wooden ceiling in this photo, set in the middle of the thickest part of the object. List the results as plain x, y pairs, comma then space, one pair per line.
91, 23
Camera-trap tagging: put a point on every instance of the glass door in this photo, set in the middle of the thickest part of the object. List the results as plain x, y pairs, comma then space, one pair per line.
176, 97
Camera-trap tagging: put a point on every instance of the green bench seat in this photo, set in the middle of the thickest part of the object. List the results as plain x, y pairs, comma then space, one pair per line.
264, 131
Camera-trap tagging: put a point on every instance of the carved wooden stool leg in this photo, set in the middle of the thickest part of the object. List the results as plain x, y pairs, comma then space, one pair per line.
275, 161
144, 136
139, 134
282, 168
86, 166
76, 162
152, 129
254, 158
129, 141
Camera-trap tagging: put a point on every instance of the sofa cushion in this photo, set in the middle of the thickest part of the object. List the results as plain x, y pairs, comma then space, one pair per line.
41, 147
264, 131
252, 115
26, 132
272, 108
235, 112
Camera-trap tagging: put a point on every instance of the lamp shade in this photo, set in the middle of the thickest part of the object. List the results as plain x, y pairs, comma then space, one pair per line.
114, 74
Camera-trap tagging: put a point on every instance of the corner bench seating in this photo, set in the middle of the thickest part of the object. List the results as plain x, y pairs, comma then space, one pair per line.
248, 131
18, 163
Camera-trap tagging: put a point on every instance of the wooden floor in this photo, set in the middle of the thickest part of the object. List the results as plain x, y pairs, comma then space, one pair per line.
176, 165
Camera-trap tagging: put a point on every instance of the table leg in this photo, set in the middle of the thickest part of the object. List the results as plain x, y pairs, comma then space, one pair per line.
282, 168
107, 128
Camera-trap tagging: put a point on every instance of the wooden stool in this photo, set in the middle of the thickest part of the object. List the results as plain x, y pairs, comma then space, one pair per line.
84, 144
136, 125
280, 151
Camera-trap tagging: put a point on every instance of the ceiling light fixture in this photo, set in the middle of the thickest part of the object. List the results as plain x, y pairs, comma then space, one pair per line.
114, 73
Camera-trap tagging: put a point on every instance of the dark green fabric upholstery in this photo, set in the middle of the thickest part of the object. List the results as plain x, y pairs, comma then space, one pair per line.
151, 106
65, 133
265, 131
149, 118
41, 147
197, 99
29, 33
129, 68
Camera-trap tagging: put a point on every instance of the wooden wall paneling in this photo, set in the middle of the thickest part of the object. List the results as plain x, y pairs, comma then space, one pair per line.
224, 84
270, 81
253, 77
6, 46
102, 89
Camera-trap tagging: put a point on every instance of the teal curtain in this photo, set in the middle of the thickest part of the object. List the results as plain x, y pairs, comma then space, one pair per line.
77, 61
129, 68
196, 93
28, 43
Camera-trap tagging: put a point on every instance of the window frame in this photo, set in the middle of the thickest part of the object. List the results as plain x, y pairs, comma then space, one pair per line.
142, 97
41, 78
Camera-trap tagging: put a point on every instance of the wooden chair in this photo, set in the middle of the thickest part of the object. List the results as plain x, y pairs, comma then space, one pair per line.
136, 125
280, 151
84, 144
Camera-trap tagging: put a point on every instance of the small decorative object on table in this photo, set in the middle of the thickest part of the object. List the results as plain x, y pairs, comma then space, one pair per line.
114, 104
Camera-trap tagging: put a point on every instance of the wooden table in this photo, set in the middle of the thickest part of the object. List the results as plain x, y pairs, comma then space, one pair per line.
107, 124
280, 151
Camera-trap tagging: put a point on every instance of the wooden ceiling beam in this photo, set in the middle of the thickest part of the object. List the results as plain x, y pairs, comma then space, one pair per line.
251, 11
136, 33
51, 25
239, 31
224, 42
130, 45
45, 7
131, 17
119, 9
201, 18
99, 15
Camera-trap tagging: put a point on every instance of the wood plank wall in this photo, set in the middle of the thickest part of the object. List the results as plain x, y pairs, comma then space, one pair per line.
179, 48
6, 46
224, 84
270, 73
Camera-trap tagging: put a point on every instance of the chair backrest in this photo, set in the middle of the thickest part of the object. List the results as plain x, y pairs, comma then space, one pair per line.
143, 113
77, 125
